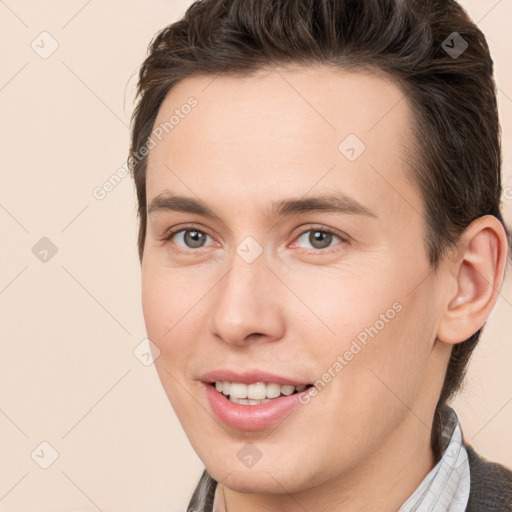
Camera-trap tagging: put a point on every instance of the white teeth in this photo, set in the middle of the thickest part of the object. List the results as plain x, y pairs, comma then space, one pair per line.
287, 390
256, 393
237, 390
273, 390
244, 401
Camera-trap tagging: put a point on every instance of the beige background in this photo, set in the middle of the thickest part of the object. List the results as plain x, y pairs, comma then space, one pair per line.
69, 326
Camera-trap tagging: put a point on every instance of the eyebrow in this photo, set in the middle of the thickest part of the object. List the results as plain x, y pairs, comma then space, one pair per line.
336, 202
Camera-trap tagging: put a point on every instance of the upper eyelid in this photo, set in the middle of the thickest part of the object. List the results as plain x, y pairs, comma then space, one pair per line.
343, 238
174, 231
323, 229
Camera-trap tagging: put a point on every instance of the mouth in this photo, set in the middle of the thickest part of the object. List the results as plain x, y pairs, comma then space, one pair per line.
252, 400
256, 393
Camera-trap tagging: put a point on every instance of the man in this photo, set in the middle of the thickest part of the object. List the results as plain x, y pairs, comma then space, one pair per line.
321, 244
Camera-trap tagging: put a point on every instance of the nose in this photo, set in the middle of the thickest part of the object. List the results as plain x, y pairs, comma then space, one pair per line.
248, 304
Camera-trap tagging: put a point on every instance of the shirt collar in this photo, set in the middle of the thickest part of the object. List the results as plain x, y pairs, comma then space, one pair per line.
446, 487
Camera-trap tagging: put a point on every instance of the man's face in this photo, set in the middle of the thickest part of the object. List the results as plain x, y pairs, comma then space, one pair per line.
345, 297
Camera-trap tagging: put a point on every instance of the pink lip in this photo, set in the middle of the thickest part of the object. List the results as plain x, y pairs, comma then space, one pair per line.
249, 377
250, 417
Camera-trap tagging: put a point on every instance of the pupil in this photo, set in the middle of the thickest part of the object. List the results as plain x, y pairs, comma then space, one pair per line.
320, 237
194, 238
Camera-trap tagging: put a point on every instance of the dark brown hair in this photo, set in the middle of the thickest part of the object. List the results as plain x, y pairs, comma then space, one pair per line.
456, 153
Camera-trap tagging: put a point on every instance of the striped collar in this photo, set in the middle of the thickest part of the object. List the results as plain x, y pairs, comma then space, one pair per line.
446, 487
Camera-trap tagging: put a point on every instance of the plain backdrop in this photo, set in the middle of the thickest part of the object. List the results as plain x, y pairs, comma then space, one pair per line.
75, 394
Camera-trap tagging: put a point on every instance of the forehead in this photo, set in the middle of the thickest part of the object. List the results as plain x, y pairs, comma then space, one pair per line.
290, 128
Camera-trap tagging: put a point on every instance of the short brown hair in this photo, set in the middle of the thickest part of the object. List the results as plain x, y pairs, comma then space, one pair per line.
456, 134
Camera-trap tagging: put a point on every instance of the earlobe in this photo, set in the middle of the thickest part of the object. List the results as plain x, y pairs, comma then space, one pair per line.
479, 272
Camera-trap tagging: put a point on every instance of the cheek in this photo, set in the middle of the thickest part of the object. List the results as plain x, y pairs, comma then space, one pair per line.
169, 298
343, 304
380, 340
389, 372
371, 393
166, 313
163, 308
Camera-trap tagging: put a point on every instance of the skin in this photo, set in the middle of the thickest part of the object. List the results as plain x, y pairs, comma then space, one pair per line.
363, 443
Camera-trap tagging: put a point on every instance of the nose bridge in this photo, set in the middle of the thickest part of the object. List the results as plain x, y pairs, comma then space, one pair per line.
246, 302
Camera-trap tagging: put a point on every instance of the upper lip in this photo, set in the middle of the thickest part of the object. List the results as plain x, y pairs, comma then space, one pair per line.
249, 377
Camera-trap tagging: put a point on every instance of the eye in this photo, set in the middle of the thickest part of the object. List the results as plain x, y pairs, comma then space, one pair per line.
318, 238
188, 238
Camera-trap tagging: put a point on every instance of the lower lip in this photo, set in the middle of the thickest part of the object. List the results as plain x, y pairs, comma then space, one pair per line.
251, 417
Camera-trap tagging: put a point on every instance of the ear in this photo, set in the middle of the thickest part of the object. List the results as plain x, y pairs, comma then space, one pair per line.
478, 271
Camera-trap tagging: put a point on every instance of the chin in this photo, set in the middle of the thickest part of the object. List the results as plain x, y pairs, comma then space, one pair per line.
261, 481
270, 477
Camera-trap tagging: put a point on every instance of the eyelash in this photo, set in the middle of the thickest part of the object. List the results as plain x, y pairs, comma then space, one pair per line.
344, 239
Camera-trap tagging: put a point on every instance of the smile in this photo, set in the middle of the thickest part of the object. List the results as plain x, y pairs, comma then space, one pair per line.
256, 393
